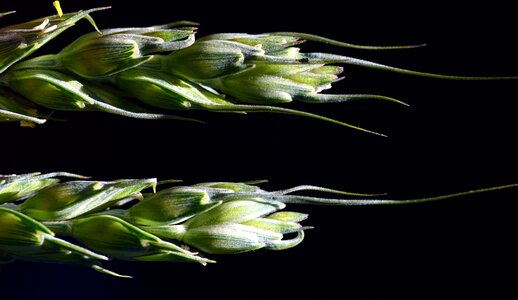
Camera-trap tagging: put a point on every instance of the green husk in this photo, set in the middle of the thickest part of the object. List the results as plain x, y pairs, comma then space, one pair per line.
18, 187
15, 108
22, 237
21, 40
55, 90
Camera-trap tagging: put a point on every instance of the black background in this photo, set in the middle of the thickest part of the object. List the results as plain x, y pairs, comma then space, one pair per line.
455, 136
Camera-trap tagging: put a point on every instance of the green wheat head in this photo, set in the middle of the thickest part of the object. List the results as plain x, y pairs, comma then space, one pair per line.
146, 72
85, 222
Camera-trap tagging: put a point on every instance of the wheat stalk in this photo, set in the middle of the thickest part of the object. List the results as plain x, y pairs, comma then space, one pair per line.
102, 220
116, 70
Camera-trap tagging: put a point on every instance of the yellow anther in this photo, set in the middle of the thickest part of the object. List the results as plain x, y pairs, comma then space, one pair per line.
58, 8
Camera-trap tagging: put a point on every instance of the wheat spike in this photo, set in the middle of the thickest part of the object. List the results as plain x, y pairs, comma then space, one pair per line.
123, 220
115, 70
